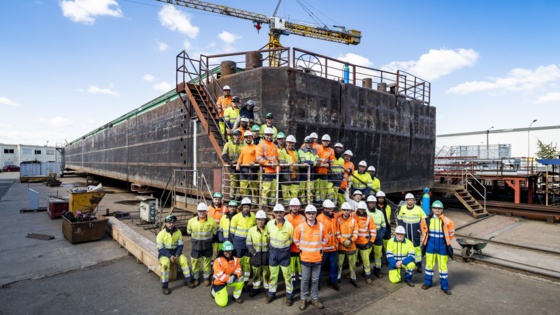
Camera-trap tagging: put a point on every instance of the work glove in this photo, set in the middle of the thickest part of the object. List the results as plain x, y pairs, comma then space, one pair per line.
231, 279
347, 243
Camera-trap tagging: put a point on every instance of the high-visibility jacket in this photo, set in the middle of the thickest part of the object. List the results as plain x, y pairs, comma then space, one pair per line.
315, 146
347, 229
202, 232
378, 217
310, 240
280, 237
267, 153
224, 268
248, 154
286, 156
410, 219
326, 156
294, 220
230, 115
375, 184
223, 103
445, 230
257, 239
264, 126
241, 224
169, 242
399, 251
216, 213
231, 151
331, 228
306, 156
361, 180
346, 177
225, 227
366, 229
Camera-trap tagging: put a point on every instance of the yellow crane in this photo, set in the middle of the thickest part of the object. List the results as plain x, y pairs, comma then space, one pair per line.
278, 26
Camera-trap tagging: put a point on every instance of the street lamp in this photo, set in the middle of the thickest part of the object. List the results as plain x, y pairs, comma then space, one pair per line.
529, 139
488, 143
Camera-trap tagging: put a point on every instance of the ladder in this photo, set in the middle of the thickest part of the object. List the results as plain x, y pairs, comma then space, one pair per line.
462, 194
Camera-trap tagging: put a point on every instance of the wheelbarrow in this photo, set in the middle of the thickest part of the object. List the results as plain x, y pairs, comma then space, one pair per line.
469, 247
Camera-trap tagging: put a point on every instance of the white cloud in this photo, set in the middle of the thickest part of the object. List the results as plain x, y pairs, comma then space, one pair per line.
85, 11
8, 102
162, 86
162, 46
356, 60
148, 77
518, 79
549, 98
187, 44
228, 37
57, 122
436, 63
176, 20
96, 90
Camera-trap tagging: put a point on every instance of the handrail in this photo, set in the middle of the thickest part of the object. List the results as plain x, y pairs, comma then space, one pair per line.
466, 183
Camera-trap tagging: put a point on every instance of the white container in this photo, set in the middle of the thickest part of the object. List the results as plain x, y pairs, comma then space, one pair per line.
30, 169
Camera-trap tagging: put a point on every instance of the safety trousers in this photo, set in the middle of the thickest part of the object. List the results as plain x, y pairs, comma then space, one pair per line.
364, 255
377, 252
248, 188
220, 293
395, 274
351, 264
303, 187
261, 275
418, 256
233, 185
295, 268
206, 263
269, 189
273, 284
245, 263
165, 265
323, 190
442, 268
290, 191
215, 248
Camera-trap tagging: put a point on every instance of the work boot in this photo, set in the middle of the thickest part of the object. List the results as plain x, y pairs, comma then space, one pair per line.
289, 301
425, 287
419, 269
369, 281
254, 292
303, 305
410, 284
165, 291
206, 282
246, 287
238, 300
354, 283
378, 275
447, 292
196, 283
317, 304
270, 298
334, 286
189, 284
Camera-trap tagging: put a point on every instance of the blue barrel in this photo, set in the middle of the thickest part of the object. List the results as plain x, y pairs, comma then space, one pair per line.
346, 73
426, 201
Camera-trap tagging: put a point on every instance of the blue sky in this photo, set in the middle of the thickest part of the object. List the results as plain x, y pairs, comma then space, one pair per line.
68, 67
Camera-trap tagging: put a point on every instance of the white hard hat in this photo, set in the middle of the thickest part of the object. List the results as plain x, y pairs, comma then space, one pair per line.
326, 138
202, 207
371, 169
362, 205
268, 131
348, 152
380, 194
291, 138
357, 192
248, 133
226, 87
362, 163
328, 204
338, 145
310, 208
409, 196
371, 198
314, 135
346, 206
278, 207
295, 202
244, 119
246, 201
400, 230
260, 214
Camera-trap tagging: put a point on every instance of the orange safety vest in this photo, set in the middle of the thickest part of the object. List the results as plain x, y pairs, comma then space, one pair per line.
248, 154
448, 229
346, 177
366, 227
326, 155
267, 152
330, 228
240, 128
311, 241
294, 221
223, 268
223, 103
347, 229
217, 213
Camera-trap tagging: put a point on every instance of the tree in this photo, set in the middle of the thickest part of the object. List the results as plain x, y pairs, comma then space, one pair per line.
546, 151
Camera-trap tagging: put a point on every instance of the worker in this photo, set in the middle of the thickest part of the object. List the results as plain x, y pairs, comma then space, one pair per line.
400, 255
222, 104
230, 155
227, 272
202, 230
267, 157
287, 156
244, 126
330, 251
375, 182
337, 170
245, 165
224, 230
366, 236
410, 215
295, 218
247, 110
280, 233
216, 211
348, 167
387, 213
170, 250
361, 180
325, 156
380, 228
239, 227
356, 197
307, 155
437, 233
311, 238
314, 136
256, 130
269, 121
347, 234
231, 113
257, 244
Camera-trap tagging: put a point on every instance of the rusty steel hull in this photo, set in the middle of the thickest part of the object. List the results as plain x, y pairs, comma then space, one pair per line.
394, 134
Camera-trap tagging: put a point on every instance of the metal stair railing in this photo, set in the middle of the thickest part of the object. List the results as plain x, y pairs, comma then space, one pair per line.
465, 178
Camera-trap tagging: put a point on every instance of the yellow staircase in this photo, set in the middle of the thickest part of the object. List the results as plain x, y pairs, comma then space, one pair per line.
459, 191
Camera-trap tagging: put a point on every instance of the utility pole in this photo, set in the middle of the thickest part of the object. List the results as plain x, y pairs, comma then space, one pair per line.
488, 143
529, 139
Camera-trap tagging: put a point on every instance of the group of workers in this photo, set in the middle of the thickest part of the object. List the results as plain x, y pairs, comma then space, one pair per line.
230, 243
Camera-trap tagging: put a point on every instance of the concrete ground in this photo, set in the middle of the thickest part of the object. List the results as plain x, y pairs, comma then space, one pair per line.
53, 277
